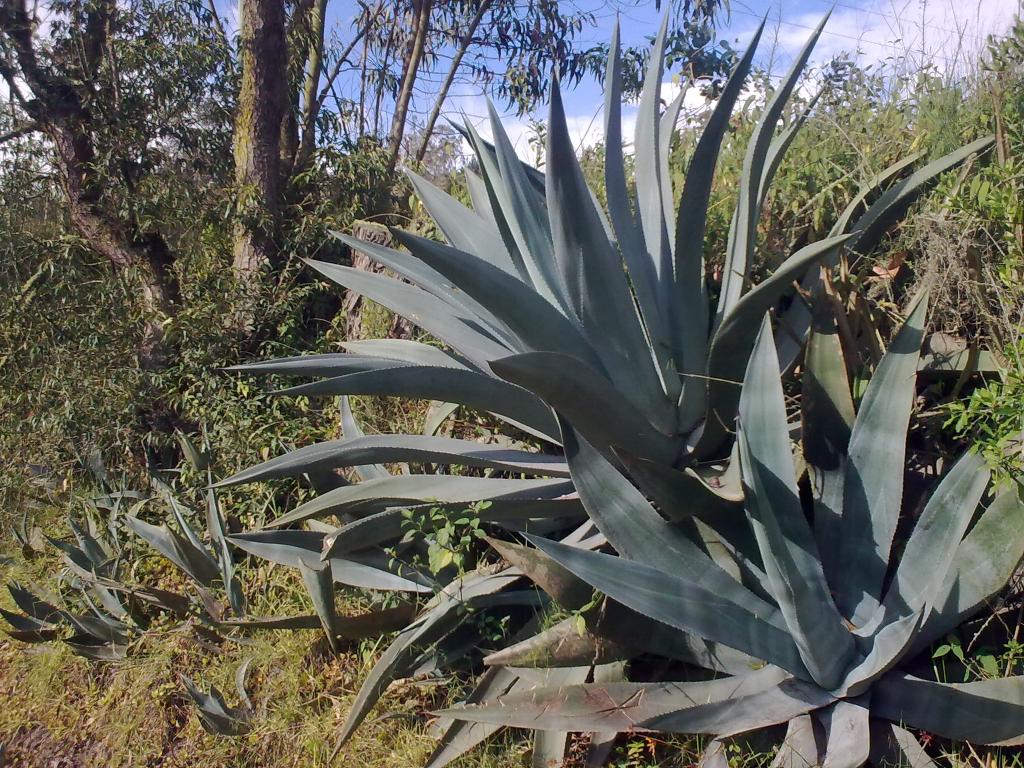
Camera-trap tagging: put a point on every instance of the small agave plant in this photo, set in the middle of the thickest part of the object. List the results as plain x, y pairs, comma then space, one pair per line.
99, 614
809, 618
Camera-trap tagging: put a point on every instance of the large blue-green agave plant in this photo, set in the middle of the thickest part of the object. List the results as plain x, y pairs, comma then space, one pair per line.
818, 622
542, 303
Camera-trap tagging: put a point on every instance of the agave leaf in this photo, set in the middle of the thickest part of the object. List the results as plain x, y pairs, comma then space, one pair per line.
25, 623
331, 454
197, 458
316, 575
984, 562
734, 339
34, 606
454, 326
800, 748
33, 635
714, 756
369, 570
564, 587
240, 676
892, 745
777, 149
28, 629
436, 416
827, 418
936, 537
639, 533
790, 698
109, 600
549, 746
616, 623
726, 706
983, 712
849, 737
332, 364
190, 533
498, 200
870, 227
526, 216
646, 157
461, 736
89, 545
589, 402
173, 602
478, 195
304, 621
76, 561
887, 646
97, 651
425, 277
666, 132
218, 538
685, 495
871, 188
787, 544
98, 629
531, 319
689, 304
114, 619
597, 287
403, 350
562, 645
534, 177
680, 603
462, 227
744, 238
412, 490
351, 430
465, 387
440, 615
627, 231
215, 715
603, 742
357, 627
873, 486
391, 524
195, 562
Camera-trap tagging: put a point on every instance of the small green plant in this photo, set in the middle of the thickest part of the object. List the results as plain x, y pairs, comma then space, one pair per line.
992, 417
451, 535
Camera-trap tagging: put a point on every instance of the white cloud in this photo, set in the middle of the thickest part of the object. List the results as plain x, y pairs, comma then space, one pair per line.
948, 34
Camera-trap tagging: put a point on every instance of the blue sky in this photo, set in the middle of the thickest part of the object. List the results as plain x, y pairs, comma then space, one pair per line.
946, 33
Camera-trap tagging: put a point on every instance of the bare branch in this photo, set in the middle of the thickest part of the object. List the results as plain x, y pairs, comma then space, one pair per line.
21, 130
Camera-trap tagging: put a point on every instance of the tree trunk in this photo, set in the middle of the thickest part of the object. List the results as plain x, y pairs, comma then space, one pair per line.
466, 41
310, 86
411, 65
57, 109
353, 305
259, 122
145, 253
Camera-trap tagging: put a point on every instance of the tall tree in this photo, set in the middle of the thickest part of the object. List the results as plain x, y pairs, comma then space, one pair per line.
416, 46
259, 119
57, 97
